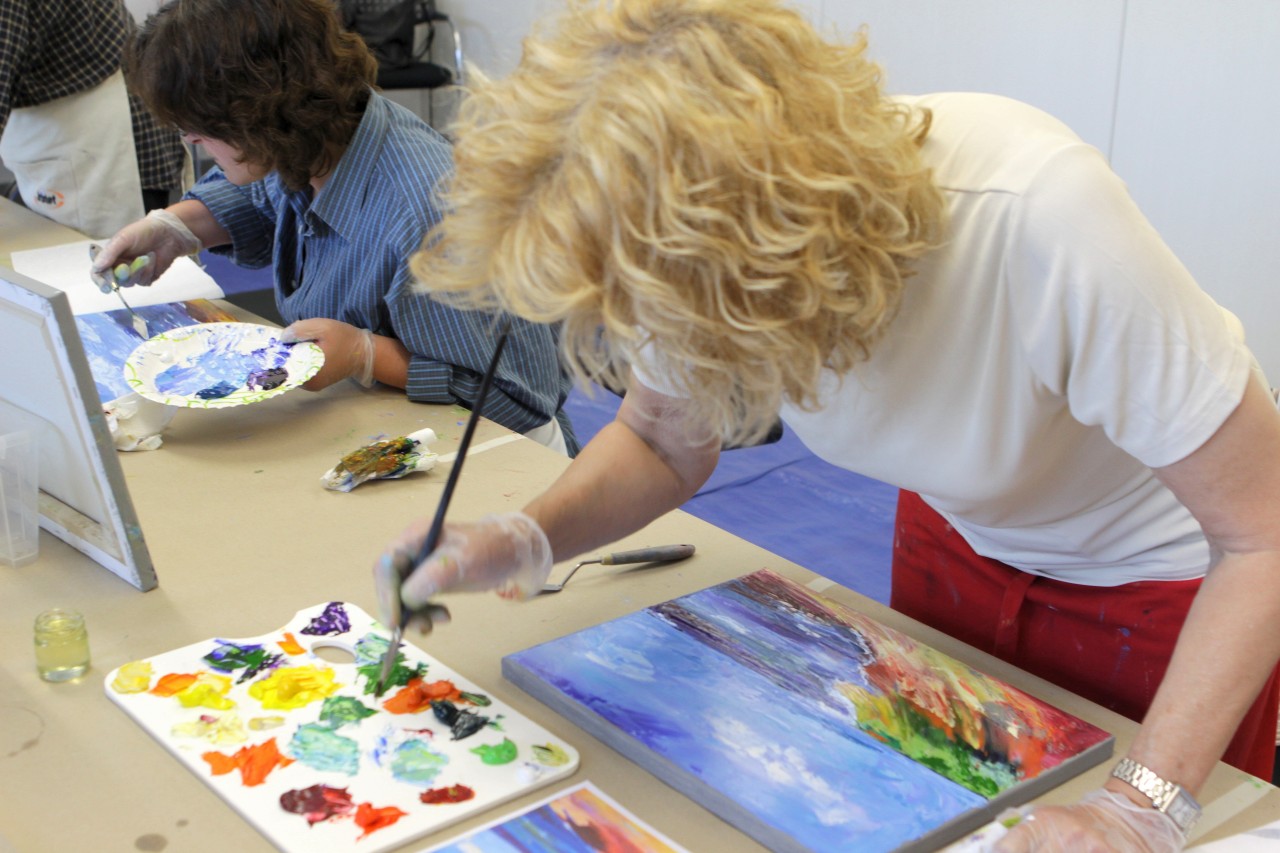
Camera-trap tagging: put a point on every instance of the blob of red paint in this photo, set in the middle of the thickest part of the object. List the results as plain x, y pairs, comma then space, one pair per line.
451, 794
317, 803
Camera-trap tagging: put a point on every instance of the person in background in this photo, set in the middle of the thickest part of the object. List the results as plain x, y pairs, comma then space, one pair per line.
951, 293
334, 186
83, 151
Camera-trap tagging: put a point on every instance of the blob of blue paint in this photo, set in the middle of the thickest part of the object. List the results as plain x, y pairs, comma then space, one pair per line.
217, 392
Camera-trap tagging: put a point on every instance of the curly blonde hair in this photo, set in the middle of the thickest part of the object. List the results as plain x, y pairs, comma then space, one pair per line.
708, 177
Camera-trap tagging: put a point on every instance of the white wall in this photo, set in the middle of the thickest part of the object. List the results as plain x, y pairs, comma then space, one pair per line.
1182, 95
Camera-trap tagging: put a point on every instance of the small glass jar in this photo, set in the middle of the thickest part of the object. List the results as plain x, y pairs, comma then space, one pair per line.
62, 645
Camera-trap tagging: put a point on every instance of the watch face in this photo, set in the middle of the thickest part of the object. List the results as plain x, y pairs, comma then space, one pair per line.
1184, 812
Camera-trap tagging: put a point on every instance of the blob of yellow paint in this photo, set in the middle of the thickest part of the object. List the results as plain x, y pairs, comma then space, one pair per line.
294, 686
228, 728
207, 691
261, 724
132, 677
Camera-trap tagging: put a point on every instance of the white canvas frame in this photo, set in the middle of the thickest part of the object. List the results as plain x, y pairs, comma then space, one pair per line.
46, 387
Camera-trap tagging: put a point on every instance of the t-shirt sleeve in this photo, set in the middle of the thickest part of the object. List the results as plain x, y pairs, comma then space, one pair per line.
1111, 319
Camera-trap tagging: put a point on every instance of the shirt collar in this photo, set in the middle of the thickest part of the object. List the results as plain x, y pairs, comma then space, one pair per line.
339, 203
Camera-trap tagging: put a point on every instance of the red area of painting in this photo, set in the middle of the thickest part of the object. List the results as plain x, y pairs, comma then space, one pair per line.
317, 803
416, 697
254, 762
451, 794
290, 645
173, 683
371, 819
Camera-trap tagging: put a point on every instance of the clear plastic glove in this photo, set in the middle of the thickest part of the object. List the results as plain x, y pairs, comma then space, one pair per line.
508, 553
348, 351
160, 234
1103, 821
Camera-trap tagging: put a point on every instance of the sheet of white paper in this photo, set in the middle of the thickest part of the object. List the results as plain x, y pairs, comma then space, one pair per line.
66, 267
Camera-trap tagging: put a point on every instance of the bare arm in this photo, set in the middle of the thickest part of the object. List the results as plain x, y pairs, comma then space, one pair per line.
1231, 639
638, 467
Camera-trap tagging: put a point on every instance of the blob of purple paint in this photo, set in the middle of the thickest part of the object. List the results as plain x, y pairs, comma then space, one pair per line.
267, 378
333, 620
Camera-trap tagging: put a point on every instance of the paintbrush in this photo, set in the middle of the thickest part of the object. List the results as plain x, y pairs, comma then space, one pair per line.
437, 523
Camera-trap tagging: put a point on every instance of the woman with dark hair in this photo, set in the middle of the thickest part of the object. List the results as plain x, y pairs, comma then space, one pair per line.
335, 186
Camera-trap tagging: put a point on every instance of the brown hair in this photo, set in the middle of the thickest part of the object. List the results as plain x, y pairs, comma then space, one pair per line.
709, 178
278, 79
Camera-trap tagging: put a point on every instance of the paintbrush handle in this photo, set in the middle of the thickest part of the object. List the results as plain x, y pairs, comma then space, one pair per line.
658, 554
437, 524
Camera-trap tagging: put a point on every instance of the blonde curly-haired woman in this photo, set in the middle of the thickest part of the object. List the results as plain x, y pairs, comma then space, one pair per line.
951, 293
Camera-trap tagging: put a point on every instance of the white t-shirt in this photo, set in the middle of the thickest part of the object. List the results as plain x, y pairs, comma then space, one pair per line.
1042, 359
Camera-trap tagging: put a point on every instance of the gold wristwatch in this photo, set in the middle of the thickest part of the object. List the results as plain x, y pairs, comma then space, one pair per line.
1165, 796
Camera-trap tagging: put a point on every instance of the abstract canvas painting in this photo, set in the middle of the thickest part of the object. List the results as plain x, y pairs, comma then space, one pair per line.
581, 819
109, 337
805, 723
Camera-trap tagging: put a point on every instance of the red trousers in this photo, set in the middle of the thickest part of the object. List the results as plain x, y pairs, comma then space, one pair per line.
1110, 645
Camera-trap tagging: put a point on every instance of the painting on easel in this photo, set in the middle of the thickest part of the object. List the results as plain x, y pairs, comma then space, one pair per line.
804, 723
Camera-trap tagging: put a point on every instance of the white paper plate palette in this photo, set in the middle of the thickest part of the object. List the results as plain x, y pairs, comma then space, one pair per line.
215, 365
299, 747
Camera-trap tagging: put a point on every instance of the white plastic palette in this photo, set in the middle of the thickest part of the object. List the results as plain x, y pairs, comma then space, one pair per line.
215, 365
378, 779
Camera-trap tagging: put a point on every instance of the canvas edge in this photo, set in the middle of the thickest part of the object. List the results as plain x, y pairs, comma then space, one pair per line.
961, 825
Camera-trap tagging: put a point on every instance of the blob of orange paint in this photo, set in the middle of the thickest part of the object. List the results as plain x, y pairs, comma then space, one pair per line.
254, 762
415, 696
371, 819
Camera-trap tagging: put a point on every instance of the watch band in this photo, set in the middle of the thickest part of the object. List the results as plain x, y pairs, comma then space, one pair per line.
1167, 797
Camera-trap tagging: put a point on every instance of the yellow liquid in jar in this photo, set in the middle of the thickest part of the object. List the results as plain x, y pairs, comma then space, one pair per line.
62, 645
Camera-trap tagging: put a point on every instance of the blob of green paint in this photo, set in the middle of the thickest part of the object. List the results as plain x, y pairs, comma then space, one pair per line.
318, 746
339, 711
415, 761
370, 649
502, 753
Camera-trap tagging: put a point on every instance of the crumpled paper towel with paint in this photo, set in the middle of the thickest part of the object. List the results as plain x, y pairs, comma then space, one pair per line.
388, 459
136, 422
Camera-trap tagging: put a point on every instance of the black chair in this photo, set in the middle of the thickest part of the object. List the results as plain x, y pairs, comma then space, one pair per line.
390, 28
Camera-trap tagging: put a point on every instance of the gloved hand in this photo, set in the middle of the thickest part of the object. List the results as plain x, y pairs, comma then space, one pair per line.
508, 552
160, 233
1102, 821
348, 351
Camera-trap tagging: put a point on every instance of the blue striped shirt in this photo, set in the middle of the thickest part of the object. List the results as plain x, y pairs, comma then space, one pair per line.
345, 256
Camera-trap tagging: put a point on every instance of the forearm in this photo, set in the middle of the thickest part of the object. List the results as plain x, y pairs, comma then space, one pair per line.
1225, 652
615, 486
199, 219
390, 361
